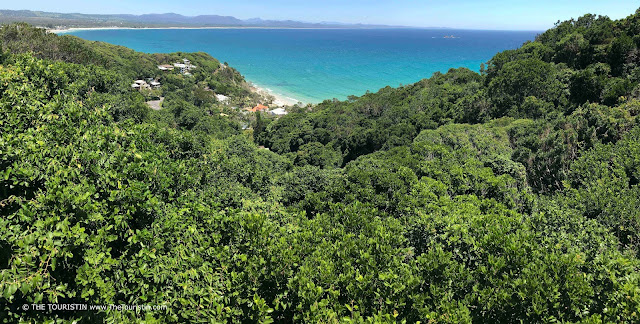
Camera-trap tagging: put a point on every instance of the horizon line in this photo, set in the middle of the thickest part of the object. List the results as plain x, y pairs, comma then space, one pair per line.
332, 23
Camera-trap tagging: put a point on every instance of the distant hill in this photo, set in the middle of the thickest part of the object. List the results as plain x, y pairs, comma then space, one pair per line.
52, 19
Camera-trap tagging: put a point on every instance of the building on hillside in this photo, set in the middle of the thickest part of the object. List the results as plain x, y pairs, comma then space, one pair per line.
185, 67
259, 107
222, 98
165, 67
141, 84
278, 112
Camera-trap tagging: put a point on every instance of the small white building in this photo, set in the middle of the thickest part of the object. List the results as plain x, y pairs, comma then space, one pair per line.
140, 84
184, 68
155, 84
165, 67
222, 98
278, 112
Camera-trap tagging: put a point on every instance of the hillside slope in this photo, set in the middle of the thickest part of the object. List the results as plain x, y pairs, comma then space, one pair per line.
579, 81
461, 198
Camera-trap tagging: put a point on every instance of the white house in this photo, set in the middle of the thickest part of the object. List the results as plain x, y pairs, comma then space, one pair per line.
140, 84
165, 67
222, 98
278, 112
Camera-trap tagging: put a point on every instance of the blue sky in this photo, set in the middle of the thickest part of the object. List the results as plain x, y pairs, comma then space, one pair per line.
473, 14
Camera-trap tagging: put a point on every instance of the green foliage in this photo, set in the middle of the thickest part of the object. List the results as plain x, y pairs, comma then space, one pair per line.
524, 78
319, 155
502, 197
604, 186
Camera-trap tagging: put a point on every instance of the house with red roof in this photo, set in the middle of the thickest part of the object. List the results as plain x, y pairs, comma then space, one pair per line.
259, 107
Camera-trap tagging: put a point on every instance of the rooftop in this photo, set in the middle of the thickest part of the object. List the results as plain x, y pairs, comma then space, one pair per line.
259, 107
278, 111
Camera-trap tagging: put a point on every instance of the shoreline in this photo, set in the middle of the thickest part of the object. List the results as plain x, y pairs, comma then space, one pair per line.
279, 99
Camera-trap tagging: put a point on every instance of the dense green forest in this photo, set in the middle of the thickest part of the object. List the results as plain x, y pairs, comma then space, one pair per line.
510, 195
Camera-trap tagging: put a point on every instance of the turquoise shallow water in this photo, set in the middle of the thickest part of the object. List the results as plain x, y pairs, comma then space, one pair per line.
311, 65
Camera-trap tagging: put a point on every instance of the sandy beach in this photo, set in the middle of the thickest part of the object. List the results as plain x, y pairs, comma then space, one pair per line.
279, 99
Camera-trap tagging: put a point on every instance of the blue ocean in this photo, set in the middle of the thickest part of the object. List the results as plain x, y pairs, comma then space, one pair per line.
311, 65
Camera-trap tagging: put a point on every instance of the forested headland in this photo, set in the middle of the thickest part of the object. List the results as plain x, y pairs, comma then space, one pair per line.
509, 195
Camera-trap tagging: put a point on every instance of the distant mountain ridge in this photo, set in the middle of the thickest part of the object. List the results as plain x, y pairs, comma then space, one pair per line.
52, 19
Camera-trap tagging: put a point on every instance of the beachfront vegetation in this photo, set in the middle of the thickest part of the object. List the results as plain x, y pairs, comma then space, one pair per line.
506, 196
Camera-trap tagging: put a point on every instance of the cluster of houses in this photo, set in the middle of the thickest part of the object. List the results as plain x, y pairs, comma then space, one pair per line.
185, 67
263, 108
270, 109
148, 84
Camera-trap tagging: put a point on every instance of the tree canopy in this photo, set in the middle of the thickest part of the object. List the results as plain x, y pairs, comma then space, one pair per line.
506, 196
